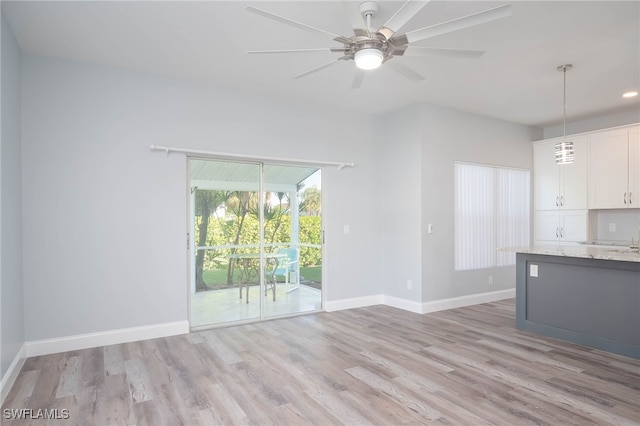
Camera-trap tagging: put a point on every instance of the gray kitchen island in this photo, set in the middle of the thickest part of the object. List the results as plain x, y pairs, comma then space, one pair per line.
584, 295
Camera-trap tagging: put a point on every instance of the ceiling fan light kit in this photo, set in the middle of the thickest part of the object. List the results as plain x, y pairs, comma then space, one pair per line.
368, 58
564, 150
370, 49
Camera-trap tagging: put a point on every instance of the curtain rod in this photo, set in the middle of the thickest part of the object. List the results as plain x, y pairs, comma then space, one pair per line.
225, 155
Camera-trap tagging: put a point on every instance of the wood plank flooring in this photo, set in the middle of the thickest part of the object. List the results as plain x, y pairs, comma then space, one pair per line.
367, 366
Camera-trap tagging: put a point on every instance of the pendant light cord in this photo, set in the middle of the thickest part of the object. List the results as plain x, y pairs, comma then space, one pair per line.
564, 104
564, 68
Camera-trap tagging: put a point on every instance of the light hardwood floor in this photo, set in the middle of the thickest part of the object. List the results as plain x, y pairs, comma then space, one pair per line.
375, 365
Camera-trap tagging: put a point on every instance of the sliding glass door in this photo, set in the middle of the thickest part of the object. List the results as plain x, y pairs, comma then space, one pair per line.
224, 225
256, 249
292, 239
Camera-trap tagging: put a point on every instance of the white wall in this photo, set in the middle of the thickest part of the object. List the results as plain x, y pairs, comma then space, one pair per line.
105, 218
12, 335
449, 136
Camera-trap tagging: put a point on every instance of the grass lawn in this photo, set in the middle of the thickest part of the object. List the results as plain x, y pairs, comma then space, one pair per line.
217, 277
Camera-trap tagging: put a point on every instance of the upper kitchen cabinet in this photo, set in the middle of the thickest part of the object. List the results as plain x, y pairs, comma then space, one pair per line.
560, 186
614, 175
634, 167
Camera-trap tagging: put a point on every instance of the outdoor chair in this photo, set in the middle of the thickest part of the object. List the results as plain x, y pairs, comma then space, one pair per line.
288, 266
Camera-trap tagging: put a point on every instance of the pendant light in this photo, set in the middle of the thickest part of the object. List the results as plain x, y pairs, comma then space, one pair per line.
564, 149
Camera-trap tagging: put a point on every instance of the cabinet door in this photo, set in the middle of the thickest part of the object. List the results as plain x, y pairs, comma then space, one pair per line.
573, 177
546, 178
546, 226
573, 226
608, 174
634, 167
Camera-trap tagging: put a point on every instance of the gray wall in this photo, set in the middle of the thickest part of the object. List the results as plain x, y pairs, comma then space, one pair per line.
449, 136
12, 335
596, 123
626, 221
398, 199
417, 147
105, 218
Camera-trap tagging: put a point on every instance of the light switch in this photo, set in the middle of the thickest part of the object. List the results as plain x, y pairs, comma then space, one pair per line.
430, 228
346, 229
533, 270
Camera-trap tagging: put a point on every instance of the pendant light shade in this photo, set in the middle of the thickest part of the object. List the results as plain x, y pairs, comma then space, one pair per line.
564, 152
564, 149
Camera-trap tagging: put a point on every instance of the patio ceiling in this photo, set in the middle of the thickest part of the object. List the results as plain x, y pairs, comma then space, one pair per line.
233, 175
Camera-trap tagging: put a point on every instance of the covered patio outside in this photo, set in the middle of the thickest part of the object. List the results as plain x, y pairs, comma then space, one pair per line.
244, 237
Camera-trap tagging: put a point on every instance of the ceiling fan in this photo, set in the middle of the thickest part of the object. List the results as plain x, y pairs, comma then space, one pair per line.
369, 48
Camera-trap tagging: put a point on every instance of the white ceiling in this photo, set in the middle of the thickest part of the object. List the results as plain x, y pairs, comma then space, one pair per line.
205, 41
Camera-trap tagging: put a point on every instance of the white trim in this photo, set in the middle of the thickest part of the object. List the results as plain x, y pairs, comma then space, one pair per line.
103, 338
417, 307
356, 302
11, 375
404, 304
472, 299
229, 156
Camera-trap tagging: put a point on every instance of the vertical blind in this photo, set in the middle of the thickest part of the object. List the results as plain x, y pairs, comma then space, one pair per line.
491, 211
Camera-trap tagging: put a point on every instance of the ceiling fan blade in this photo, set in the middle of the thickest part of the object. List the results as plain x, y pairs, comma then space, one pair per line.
321, 67
405, 71
401, 17
324, 49
353, 13
442, 52
295, 23
358, 78
459, 23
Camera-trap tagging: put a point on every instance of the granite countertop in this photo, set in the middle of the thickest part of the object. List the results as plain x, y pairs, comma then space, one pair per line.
620, 254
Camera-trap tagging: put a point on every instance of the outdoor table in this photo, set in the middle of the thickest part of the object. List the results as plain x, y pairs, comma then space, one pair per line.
251, 267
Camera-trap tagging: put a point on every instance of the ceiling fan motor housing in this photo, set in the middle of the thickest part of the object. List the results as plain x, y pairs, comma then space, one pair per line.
369, 8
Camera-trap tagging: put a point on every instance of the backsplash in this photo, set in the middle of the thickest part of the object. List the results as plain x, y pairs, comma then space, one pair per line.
625, 221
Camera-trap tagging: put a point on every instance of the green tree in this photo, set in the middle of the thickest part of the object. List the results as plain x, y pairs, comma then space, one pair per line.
207, 202
311, 203
240, 203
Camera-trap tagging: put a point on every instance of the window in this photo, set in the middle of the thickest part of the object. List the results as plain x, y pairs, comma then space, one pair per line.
491, 211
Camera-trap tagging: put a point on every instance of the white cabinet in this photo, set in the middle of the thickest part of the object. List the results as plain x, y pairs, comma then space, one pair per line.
560, 186
560, 193
614, 175
560, 226
634, 167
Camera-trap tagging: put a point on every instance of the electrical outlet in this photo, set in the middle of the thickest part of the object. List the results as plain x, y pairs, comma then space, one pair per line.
346, 229
409, 285
612, 227
533, 270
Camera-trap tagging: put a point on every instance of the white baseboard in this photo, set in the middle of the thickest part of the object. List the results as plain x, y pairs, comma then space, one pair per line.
111, 337
12, 373
472, 299
356, 302
417, 307
404, 304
